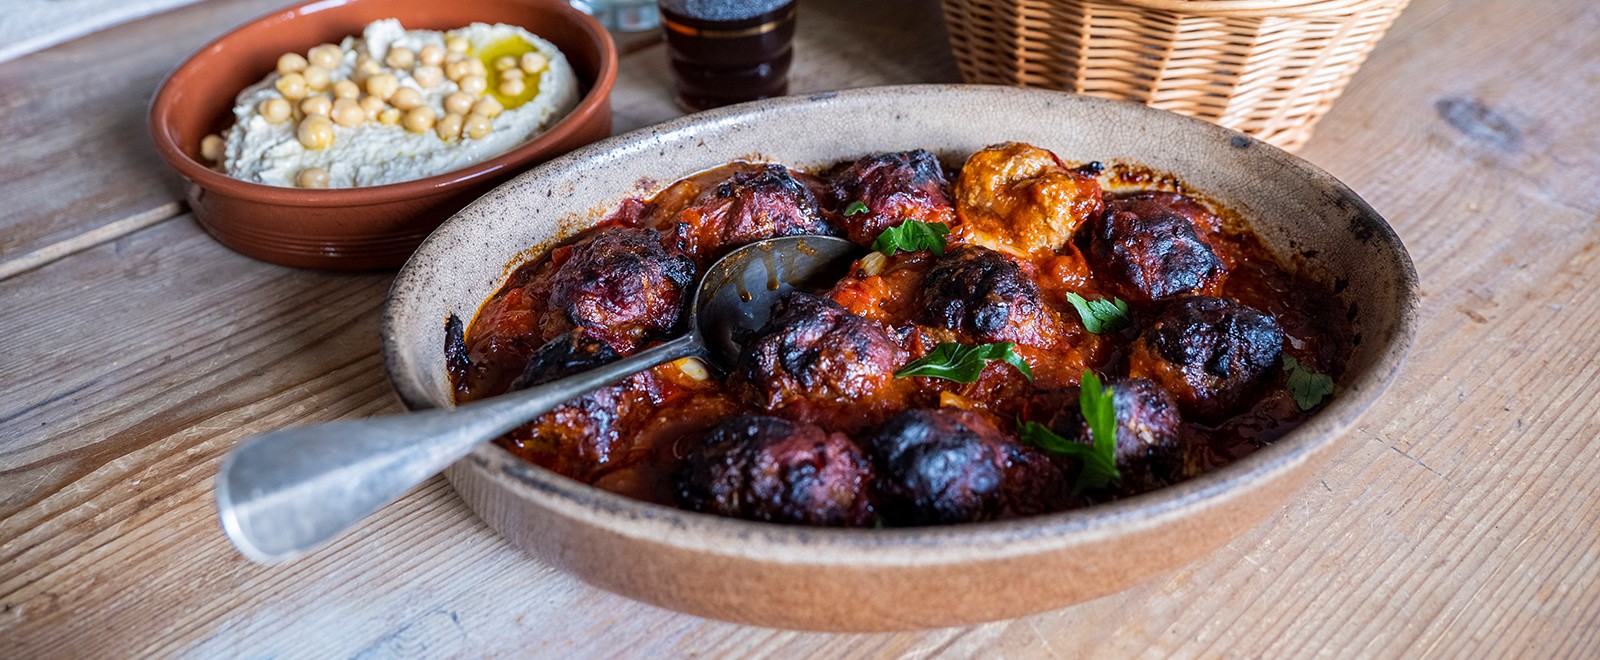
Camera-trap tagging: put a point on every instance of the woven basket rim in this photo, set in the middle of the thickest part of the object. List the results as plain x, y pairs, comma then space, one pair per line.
1256, 8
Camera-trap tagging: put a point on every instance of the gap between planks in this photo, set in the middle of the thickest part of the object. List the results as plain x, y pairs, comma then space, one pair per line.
25, 262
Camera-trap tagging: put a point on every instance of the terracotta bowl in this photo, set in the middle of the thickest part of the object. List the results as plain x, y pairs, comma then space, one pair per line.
357, 228
862, 580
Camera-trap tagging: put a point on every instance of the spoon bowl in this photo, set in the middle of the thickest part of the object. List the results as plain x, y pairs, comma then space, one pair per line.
286, 492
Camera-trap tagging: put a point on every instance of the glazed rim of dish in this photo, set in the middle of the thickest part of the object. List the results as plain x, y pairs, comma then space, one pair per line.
162, 104
913, 546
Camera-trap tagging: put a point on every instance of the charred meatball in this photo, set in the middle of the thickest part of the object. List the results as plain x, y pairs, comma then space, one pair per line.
988, 296
1019, 195
909, 185
1209, 353
622, 287
1149, 444
1146, 243
594, 433
947, 466
709, 215
816, 362
770, 469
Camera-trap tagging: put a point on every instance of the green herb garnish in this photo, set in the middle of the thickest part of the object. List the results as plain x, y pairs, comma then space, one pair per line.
1100, 458
962, 363
1101, 315
855, 208
1308, 387
912, 235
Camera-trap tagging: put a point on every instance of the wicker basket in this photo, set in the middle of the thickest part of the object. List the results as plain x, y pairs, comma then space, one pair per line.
1270, 68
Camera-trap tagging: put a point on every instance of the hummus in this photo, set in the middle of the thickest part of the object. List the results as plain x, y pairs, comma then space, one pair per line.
397, 135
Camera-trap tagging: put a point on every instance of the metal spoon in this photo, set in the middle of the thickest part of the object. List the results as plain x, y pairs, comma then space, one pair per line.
284, 493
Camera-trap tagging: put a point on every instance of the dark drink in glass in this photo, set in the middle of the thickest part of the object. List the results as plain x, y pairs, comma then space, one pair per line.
728, 51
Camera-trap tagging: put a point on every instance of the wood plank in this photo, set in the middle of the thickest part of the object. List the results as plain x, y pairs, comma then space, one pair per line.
1460, 520
79, 168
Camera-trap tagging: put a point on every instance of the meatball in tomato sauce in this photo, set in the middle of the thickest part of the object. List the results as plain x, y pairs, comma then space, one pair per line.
622, 287
890, 189
816, 362
1146, 244
709, 215
760, 467
1209, 353
593, 433
1022, 199
987, 296
1149, 429
950, 465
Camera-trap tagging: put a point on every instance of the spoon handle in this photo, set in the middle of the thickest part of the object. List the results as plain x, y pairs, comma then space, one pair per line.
283, 493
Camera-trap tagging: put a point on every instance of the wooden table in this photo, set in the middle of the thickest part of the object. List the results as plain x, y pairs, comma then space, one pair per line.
1462, 519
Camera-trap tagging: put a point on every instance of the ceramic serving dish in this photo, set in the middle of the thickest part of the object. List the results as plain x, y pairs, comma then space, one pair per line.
833, 579
376, 226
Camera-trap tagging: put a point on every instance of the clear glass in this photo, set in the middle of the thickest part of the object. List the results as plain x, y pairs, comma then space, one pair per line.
622, 15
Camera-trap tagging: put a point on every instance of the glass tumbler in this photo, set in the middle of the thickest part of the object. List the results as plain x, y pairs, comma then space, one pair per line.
728, 51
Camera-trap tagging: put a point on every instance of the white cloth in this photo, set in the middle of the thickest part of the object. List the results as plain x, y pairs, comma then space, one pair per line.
30, 25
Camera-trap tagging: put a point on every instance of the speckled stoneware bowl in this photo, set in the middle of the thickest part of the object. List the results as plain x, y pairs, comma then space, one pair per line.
831, 579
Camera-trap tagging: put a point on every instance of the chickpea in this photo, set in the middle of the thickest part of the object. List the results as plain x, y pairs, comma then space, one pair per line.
275, 111
383, 86
505, 62
316, 105
291, 63
419, 119
512, 74
459, 103
327, 56
346, 112
873, 263
431, 55
366, 67
475, 67
406, 98
400, 57
372, 105
316, 132
476, 126
312, 177
389, 117
512, 87
317, 78
457, 70
449, 127
456, 44
534, 62
345, 89
211, 148
292, 86
429, 76
694, 368
474, 85
488, 106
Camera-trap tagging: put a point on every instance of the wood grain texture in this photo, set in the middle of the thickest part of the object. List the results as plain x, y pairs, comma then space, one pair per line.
78, 167
1461, 520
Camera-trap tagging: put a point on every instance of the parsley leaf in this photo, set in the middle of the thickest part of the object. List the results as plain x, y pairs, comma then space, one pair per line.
1099, 459
1308, 387
912, 235
1101, 315
855, 208
962, 363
